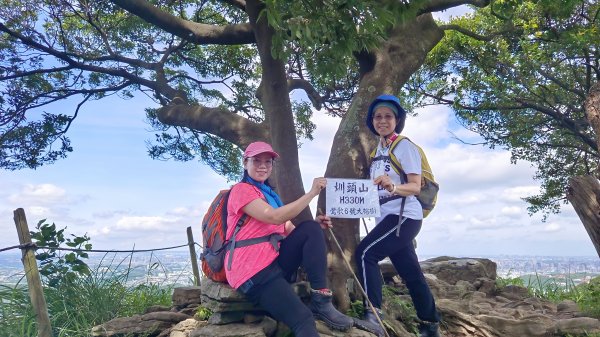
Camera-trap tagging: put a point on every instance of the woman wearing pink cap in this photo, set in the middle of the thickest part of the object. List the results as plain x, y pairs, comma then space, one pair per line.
263, 271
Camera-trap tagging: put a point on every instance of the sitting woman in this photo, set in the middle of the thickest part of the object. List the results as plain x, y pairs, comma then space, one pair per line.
262, 271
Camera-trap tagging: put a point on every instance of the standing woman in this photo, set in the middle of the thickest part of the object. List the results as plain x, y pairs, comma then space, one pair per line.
393, 235
262, 271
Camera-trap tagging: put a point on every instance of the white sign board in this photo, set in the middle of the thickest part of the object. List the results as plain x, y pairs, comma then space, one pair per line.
351, 198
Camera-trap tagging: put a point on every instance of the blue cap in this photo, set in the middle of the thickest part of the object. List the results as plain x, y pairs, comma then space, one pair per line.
393, 103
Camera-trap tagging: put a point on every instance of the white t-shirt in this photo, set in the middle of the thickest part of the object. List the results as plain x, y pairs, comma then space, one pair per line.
408, 155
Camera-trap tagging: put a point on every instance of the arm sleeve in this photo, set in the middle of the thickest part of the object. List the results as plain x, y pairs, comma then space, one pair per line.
241, 195
409, 157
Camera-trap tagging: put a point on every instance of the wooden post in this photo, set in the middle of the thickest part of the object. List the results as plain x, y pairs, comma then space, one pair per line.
193, 256
36, 293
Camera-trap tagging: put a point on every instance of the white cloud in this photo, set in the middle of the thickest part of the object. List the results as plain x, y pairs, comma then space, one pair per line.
428, 127
187, 211
109, 214
143, 223
39, 212
552, 227
511, 210
515, 194
458, 217
39, 194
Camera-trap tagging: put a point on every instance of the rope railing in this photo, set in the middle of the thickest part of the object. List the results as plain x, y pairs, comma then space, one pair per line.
16, 247
34, 283
34, 246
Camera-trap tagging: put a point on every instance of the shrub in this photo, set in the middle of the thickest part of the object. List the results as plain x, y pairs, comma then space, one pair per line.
589, 302
56, 267
77, 297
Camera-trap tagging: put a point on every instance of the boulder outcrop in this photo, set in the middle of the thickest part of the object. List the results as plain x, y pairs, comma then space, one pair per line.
471, 304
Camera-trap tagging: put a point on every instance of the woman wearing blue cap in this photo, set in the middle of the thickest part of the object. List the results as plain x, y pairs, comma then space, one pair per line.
401, 217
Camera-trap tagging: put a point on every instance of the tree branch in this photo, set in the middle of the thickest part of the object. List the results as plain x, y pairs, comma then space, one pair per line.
241, 4
474, 35
524, 104
467, 32
117, 72
217, 121
311, 92
564, 86
566, 122
198, 33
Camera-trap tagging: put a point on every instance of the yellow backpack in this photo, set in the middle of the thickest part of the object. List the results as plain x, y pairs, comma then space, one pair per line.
429, 187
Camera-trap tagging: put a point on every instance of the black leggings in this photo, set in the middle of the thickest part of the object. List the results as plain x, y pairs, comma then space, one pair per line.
270, 288
382, 242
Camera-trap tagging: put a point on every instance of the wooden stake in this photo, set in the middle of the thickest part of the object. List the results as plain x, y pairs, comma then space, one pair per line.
36, 292
193, 256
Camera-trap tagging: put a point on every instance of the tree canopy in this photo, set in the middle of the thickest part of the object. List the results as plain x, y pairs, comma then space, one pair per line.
518, 74
220, 72
201, 52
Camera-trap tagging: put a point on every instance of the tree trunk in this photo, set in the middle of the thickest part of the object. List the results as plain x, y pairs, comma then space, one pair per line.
584, 191
584, 195
384, 71
275, 99
592, 112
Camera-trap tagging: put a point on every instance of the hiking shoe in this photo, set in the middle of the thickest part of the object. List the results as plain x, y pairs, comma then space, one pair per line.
323, 309
369, 326
429, 329
372, 320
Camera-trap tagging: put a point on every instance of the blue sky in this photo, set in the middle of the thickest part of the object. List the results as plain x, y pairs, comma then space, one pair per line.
110, 189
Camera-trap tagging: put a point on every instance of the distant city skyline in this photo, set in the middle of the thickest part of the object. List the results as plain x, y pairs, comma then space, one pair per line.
175, 267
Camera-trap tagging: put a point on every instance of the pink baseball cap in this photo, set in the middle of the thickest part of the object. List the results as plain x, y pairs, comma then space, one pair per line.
257, 148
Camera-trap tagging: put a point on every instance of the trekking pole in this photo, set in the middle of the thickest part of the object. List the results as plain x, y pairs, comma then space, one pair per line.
365, 224
356, 280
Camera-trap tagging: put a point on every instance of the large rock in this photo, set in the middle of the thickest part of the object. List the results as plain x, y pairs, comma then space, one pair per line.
185, 296
184, 328
452, 270
150, 324
465, 291
227, 305
263, 329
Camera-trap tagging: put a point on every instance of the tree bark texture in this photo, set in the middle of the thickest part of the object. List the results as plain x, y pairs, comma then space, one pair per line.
275, 99
592, 112
390, 67
584, 191
584, 195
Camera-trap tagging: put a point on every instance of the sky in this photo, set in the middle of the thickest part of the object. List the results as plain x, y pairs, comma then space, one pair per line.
110, 189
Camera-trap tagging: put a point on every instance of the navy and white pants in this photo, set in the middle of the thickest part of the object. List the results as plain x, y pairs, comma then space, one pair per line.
382, 242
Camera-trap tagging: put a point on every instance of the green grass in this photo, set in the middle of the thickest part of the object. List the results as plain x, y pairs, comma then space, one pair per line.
502, 282
404, 309
81, 303
586, 295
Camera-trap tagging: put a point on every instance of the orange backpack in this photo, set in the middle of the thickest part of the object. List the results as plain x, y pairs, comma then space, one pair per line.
214, 232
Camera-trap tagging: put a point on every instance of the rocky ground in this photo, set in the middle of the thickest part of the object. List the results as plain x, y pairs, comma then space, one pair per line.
465, 290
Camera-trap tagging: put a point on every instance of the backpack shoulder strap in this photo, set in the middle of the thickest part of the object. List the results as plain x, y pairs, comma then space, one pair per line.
395, 163
372, 155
